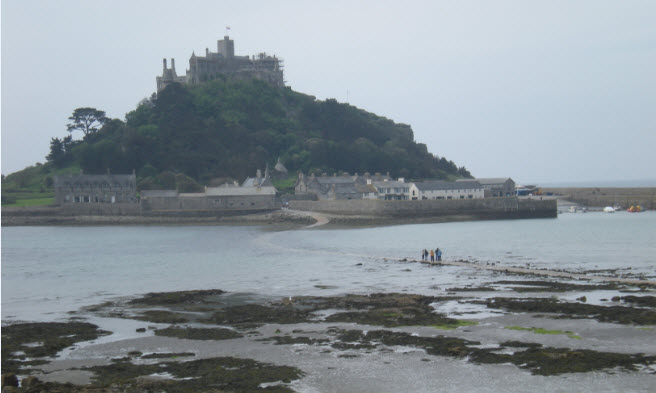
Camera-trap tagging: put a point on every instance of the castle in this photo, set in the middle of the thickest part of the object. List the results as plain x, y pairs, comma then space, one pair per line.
224, 62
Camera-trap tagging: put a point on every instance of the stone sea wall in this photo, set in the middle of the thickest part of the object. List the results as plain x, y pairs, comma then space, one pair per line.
607, 196
490, 208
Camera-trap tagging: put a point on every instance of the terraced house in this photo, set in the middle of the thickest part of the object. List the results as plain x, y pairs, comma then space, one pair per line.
438, 189
95, 189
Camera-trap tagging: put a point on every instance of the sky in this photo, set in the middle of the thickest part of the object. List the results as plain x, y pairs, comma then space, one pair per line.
540, 91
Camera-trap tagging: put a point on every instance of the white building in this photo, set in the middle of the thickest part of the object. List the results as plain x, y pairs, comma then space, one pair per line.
390, 190
438, 189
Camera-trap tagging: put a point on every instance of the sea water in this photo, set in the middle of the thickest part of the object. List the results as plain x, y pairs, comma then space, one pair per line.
49, 271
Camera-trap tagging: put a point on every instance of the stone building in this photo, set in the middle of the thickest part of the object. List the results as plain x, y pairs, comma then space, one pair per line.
222, 198
496, 187
95, 189
439, 189
328, 187
223, 62
256, 193
340, 187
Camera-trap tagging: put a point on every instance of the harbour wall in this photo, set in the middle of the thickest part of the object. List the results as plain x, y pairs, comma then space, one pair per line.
210, 203
607, 196
486, 208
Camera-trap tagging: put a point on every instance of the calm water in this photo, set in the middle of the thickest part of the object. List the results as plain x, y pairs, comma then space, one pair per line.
48, 271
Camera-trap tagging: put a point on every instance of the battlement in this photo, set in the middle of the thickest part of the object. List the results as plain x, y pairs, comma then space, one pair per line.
223, 62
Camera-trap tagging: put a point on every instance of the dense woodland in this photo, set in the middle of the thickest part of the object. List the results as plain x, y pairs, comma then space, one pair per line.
229, 128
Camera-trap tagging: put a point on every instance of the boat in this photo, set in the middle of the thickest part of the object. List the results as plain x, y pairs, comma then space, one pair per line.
635, 209
609, 209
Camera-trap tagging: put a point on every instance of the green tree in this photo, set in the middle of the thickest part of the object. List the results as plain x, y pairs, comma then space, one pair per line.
57, 152
87, 120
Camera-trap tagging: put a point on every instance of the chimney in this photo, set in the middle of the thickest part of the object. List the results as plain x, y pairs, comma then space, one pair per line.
402, 180
164, 62
173, 64
368, 180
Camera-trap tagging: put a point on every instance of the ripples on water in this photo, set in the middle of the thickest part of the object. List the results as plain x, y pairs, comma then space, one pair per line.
47, 271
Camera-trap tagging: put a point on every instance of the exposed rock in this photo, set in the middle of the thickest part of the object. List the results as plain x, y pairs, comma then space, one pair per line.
9, 379
30, 382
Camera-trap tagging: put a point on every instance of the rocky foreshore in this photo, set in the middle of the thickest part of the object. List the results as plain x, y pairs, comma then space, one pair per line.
528, 332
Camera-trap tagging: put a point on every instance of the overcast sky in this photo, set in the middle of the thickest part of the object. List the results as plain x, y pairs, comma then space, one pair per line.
541, 91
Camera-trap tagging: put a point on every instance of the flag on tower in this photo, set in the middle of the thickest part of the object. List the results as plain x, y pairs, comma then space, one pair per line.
227, 27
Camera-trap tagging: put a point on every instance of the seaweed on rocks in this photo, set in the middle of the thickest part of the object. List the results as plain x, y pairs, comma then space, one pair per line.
519, 344
642, 301
471, 289
204, 375
553, 361
393, 317
180, 297
380, 309
290, 340
198, 333
538, 360
618, 314
161, 316
256, 315
555, 286
41, 339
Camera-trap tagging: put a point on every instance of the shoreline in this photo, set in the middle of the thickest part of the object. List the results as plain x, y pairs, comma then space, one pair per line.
283, 217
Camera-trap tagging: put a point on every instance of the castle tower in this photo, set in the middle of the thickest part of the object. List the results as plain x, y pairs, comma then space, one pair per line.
226, 47
168, 75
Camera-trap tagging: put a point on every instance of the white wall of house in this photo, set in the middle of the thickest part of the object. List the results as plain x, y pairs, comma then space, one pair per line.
392, 190
465, 193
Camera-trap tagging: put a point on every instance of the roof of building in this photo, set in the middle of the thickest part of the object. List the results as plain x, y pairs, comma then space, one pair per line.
237, 191
390, 184
365, 188
159, 193
432, 185
257, 182
61, 180
489, 180
334, 179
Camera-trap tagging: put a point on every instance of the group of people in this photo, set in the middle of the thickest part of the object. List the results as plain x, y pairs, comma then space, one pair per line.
437, 253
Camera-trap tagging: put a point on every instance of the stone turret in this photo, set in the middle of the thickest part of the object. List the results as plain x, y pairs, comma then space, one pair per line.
226, 47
